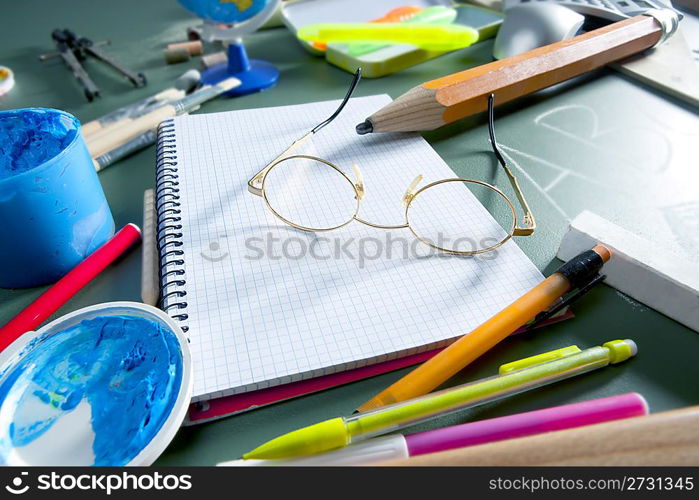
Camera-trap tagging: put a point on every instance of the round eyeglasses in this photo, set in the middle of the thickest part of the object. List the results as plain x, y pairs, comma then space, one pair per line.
313, 194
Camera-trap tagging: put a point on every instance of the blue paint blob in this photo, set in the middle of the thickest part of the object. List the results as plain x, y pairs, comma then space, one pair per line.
128, 369
28, 142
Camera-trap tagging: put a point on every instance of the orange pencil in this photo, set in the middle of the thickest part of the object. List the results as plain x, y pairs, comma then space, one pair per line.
451, 360
450, 98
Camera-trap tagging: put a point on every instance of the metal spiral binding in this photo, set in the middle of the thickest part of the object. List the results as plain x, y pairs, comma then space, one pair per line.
169, 229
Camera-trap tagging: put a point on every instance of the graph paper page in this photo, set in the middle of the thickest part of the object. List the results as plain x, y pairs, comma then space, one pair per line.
268, 304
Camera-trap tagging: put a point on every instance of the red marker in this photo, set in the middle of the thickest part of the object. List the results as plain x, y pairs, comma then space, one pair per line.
53, 298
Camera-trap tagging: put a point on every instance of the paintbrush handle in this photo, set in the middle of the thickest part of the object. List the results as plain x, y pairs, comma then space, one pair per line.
116, 136
447, 99
667, 438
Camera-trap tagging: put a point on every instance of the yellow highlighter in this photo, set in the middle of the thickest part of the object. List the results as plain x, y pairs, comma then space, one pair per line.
515, 377
425, 36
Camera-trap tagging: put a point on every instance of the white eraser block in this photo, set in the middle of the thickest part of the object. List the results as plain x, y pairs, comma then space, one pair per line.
642, 269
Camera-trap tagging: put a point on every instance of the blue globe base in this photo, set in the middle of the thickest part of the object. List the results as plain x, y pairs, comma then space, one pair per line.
255, 75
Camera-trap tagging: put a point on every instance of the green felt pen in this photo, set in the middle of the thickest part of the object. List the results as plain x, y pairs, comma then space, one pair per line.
515, 377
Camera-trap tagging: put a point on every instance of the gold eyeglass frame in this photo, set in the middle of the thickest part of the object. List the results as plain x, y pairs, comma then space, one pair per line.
256, 186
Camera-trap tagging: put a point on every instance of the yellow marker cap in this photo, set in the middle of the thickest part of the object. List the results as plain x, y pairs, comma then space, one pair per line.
538, 359
621, 350
317, 438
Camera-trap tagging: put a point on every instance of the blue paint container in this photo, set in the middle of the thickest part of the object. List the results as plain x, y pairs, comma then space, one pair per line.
53, 212
107, 385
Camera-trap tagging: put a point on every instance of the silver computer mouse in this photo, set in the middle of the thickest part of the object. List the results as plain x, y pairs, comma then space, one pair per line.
529, 26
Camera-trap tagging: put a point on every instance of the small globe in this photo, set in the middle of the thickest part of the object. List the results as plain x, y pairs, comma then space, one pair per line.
229, 21
226, 11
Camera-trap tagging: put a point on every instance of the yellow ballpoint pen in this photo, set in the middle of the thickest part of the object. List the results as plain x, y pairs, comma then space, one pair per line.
515, 377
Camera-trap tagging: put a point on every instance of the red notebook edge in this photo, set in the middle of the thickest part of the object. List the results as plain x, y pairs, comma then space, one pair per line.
214, 409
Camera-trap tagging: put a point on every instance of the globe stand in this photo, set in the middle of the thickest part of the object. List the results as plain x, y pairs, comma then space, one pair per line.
254, 75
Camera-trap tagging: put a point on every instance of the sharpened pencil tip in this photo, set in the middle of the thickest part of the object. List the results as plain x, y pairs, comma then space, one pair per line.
365, 128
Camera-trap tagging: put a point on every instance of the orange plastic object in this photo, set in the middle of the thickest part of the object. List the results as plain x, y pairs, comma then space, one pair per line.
393, 16
398, 14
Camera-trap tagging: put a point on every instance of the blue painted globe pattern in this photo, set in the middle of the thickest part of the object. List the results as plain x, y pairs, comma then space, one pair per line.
226, 11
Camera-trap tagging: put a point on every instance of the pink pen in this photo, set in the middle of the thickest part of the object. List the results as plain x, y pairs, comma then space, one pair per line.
398, 446
557, 418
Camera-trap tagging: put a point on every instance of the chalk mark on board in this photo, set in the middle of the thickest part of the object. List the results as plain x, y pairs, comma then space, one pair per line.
657, 158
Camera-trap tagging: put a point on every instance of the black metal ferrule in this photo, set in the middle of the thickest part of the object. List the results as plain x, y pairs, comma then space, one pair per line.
581, 269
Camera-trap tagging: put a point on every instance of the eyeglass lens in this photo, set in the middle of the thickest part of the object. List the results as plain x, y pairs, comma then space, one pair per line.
474, 228
311, 194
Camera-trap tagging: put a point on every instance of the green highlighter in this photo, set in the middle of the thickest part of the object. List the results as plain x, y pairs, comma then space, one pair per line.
424, 36
436, 14
515, 377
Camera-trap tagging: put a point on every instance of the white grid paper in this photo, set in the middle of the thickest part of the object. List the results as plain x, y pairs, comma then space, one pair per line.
259, 323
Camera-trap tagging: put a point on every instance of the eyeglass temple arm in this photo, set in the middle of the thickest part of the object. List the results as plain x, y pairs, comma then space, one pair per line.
410, 192
529, 221
255, 182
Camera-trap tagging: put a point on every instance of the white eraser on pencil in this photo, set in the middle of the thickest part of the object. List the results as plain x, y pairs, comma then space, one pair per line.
642, 269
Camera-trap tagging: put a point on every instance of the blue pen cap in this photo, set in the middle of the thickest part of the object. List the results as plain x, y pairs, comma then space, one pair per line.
53, 211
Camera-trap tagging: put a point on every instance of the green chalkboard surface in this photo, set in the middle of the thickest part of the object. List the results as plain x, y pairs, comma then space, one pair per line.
602, 142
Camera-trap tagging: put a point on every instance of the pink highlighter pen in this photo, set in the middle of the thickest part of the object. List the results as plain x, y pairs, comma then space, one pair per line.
398, 446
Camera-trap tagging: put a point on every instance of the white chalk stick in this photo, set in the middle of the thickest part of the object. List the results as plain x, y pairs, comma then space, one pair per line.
642, 269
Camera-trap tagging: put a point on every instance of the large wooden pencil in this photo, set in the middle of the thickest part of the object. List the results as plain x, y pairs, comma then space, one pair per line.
667, 438
450, 98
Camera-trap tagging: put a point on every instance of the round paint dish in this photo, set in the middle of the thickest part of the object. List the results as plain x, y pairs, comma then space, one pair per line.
105, 385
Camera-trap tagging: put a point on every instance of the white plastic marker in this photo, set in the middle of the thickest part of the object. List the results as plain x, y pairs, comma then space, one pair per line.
103, 143
642, 269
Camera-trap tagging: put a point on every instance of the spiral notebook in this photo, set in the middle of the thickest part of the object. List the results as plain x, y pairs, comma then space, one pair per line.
260, 311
